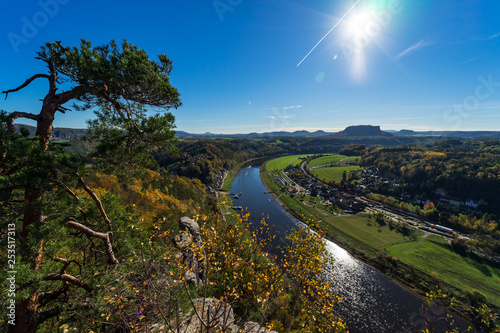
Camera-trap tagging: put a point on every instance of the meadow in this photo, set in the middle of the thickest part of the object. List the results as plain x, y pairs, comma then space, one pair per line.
326, 160
333, 174
434, 256
283, 162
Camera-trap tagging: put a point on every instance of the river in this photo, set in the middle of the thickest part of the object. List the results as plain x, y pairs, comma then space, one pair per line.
371, 302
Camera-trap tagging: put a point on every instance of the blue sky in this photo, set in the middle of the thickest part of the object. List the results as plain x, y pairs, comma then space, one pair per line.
400, 64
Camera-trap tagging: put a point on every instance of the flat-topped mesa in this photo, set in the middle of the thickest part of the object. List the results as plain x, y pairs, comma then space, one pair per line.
363, 130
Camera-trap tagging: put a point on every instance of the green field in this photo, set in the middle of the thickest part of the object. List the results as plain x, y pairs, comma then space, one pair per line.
325, 160
267, 178
226, 186
333, 173
432, 255
282, 162
357, 228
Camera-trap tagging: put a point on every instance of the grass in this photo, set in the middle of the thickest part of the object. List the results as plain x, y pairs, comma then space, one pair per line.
433, 255
267, 178
278, 142
351, 159
226, 186
367, 232
354, 227
333, 173
283, 162
326, 160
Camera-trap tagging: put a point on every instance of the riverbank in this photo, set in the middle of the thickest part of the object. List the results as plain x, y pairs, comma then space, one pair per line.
230, 174
412, 278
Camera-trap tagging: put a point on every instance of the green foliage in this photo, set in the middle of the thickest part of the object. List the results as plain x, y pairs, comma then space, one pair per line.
122, 145
112, 72
353, 150
484, 318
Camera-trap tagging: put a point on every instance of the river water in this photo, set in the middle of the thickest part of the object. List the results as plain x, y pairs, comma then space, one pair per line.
371, 302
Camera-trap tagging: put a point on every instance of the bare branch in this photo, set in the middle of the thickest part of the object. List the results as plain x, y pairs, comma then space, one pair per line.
17, 114
26, 83
50, 296
38, 261
202, 322
97, 201
70, 279
45, 315
66, 96
66, 263
68, 190
104, 236
62, 109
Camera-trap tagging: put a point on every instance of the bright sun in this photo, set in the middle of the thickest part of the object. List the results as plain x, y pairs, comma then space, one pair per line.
360, 30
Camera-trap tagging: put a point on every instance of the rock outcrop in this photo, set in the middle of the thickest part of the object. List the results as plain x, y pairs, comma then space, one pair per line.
190, 243
217, 315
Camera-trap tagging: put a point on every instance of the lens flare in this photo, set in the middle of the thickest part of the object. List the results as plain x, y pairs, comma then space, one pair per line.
362, 29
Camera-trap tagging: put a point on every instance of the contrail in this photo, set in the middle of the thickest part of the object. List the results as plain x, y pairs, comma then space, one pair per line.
343, 17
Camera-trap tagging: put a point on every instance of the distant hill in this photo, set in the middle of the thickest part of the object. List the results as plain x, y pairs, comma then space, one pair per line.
58, 132
453, 134
362, 131
281, 134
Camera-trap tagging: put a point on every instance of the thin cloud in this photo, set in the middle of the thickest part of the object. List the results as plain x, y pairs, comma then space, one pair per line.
471, 60
285, 107
194, 121
493, 36
415, 47
277, 117
407, 118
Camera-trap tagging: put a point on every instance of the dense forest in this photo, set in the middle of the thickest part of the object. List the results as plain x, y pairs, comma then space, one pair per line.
204, 159
465, 169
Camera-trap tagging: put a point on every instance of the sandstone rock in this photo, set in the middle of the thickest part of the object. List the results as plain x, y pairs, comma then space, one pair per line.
219, 316
185, 223
183, 240
253, 327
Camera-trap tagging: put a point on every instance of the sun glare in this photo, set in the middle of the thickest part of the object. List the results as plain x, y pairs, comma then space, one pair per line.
359, 20
361, 29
